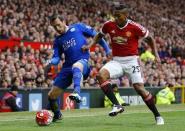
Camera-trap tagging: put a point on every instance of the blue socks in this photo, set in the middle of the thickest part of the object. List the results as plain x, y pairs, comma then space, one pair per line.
77, 76
54, 105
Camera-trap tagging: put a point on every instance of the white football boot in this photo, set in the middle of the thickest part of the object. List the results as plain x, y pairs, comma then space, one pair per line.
159, 120
116, 109
75, 97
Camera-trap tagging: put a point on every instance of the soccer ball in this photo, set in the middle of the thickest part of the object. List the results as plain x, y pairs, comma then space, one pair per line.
44, 117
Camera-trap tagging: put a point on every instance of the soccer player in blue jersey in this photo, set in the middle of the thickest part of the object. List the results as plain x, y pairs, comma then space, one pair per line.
71, 42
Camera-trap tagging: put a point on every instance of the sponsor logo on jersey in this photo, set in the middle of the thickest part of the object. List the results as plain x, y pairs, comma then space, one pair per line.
120, 40
69, 43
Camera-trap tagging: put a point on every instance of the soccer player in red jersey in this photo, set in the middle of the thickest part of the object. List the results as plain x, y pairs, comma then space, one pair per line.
125, 34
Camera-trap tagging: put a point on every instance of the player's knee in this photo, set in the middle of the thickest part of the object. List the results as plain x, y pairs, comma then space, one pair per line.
51, 95
54, 93
78, 65
103, 75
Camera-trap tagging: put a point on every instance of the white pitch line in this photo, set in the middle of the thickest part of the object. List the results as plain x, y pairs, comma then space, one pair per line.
85, 115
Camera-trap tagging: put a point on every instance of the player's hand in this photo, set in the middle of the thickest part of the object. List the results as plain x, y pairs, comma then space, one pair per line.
109, 56
85, 48
47, 67
158, 59
158, 62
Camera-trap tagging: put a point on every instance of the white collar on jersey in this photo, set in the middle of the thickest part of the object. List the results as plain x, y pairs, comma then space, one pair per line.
67, 28
124, 25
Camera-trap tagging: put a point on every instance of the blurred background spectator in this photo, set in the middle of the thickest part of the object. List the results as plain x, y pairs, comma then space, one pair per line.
165, 96
8, 102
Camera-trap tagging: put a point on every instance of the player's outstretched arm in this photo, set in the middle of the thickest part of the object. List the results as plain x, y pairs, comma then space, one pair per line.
55, 58
150, 41
103, 43
98, 38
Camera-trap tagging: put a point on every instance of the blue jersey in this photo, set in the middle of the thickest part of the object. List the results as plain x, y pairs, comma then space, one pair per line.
71, 42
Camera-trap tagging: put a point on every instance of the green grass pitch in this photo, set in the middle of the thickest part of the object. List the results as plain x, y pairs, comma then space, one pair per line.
135, 118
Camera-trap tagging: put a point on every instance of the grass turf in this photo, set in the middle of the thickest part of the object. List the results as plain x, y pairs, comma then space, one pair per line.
135, 118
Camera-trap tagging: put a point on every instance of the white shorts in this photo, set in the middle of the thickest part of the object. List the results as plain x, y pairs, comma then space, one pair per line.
129, 66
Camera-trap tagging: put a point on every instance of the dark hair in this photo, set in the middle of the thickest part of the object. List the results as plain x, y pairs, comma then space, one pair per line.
55, 16
122, 7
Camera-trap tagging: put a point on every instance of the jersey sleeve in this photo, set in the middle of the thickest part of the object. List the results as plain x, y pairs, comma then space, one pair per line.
141, 31
86, 30
56, 53
105, 28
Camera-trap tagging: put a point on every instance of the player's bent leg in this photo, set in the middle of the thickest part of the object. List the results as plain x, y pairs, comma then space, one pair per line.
149, 101
77, 77
77, 70
54, 102
103, 78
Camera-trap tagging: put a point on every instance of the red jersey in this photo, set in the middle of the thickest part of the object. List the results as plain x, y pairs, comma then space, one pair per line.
124, 41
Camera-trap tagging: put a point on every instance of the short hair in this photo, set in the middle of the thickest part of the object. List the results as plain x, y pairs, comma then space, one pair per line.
122, 8
55, 16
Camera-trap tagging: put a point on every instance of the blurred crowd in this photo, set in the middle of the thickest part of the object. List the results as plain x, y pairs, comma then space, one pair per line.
28, 21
